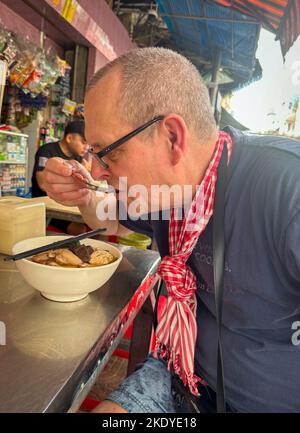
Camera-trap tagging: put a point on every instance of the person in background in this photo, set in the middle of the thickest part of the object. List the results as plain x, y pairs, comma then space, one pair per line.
73, 146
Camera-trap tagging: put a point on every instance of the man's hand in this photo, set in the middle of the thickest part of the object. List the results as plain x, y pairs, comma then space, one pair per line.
62, 187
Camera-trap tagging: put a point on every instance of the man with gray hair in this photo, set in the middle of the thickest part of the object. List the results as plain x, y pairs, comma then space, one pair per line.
149, 121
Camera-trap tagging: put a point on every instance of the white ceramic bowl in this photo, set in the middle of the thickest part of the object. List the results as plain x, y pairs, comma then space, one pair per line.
64, 284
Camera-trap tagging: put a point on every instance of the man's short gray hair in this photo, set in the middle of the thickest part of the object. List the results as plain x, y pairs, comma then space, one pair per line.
159, 81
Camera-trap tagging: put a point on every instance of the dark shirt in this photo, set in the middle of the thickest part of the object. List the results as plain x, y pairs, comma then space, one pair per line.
49, 150
261, 281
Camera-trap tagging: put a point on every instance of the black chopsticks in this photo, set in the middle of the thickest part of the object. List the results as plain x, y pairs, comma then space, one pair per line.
54, 245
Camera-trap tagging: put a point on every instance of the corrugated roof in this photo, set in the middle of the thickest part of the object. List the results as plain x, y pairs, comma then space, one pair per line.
281, 17
199, 28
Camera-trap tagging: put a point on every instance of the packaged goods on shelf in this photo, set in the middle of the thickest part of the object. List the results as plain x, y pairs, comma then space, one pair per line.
32, 73
13, 162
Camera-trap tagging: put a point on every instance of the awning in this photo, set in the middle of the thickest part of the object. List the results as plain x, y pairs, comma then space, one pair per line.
281, 17
201, 28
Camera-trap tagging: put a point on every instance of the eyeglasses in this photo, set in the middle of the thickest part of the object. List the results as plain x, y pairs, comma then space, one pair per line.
116, 144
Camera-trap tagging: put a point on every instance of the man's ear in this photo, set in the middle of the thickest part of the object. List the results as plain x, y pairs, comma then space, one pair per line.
176, 130
68, 138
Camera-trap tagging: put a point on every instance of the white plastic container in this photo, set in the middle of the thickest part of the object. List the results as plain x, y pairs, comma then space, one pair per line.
20, 219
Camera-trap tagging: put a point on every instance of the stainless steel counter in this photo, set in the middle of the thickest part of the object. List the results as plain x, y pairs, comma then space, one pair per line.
54, 351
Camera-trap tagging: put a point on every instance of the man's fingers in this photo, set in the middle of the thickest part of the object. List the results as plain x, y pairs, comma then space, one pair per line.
80, 169
61, 186
59, 166
80, 197
58, 188
52, 178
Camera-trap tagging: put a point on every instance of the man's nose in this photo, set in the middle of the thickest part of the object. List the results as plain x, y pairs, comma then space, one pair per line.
99, 172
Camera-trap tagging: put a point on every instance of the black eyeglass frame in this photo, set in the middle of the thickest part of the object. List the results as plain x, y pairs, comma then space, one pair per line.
108, 149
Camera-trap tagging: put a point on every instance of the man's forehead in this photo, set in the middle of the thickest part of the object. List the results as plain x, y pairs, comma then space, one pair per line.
107, 88
102, 99
103, 121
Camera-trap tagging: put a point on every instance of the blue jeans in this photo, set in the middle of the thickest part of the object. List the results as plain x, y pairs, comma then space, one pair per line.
149, 390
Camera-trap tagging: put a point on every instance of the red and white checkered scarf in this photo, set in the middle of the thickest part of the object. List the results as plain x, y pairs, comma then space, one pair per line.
177, 330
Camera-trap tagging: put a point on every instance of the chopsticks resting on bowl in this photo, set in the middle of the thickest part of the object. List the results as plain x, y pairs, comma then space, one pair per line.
54, 245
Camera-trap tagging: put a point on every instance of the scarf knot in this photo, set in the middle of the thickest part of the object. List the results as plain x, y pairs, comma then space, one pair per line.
179, 278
